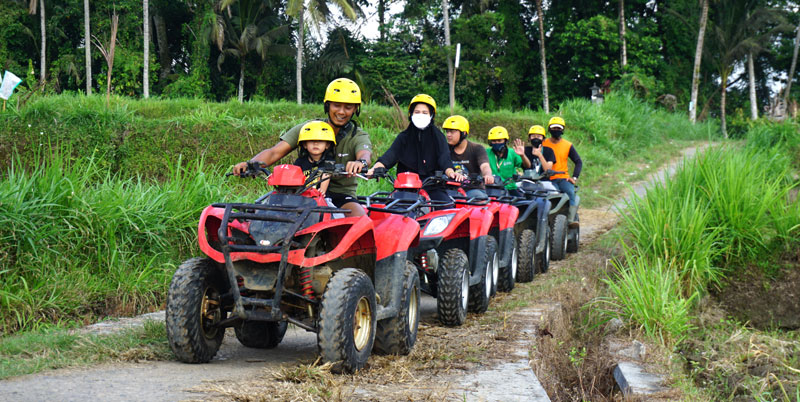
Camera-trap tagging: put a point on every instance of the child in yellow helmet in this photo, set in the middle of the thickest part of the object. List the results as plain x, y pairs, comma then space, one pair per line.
315, 144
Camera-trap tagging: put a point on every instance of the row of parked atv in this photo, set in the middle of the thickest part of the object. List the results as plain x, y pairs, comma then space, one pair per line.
356, 282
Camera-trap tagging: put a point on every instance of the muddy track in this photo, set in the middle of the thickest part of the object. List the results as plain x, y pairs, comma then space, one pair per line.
497, 340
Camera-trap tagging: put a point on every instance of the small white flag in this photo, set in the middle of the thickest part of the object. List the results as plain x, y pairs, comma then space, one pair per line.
10, 81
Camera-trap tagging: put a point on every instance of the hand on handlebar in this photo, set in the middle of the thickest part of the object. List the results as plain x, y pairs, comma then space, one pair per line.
354, 167
488, 179
239, 168
457, 176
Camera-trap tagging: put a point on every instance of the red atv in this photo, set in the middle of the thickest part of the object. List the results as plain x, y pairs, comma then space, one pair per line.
505, 214
455, 255
286, 258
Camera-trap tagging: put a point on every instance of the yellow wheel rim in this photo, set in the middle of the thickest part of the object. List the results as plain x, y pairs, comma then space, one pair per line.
362, 323
210, 312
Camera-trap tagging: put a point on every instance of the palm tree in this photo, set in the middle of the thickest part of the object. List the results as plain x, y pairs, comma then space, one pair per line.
450, 77
32, 5
623, 53
541, 51
318, 11
738, 29
698, 55
146, 68
88, 47
794, 64
245, 26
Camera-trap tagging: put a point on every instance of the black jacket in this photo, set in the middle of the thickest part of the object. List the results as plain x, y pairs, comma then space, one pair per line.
419, 151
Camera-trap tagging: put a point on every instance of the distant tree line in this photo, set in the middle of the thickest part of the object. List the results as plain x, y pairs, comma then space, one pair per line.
219, 49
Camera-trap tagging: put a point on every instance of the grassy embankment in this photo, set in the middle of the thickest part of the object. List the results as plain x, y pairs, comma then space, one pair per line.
97, 210
730, 215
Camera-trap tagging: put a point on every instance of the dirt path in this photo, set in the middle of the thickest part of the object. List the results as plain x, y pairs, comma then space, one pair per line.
446, 364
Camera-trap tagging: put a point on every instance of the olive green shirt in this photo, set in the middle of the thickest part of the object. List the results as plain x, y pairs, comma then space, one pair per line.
349, 141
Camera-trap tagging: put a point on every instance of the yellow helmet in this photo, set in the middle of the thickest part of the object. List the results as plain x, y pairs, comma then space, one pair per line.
498, 133
316, 131
537, 129
456, 122
343, 90
422, 98
557, 121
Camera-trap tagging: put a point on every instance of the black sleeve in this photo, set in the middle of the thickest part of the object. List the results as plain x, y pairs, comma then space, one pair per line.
576, 159
549, 155
303, 163
392, 155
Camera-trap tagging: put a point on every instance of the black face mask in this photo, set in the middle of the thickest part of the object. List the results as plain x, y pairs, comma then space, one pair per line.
498, 148
536, 142
556, 133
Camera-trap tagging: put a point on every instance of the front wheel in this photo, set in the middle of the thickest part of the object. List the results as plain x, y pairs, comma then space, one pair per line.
481, 293
559, 239
453, 287
397, 335
194, 308
574, 237
527, 248
508, 274
347, 320
261, 334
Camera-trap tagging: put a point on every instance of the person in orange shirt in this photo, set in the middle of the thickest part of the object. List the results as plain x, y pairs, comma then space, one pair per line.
563, 150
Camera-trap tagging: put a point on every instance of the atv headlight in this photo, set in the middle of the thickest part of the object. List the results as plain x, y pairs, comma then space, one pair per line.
437, 225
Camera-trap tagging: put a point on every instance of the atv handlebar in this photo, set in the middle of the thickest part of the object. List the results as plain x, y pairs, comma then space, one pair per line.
254, 169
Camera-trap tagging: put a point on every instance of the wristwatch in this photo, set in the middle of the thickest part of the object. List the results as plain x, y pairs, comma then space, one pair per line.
364, 162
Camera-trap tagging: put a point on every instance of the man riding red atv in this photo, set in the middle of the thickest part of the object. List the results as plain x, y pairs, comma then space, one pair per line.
285, 259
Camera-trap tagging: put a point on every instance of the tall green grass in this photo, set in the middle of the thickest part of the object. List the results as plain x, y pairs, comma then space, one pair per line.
78, 241
647, 291
727, 207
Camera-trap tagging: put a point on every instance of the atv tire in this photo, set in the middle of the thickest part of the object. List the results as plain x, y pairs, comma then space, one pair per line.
559, 240
481, 293
541, 262
397, 335
347, 320
527, 249
453, 287
261, 334
508, 274
194, 308
574, 237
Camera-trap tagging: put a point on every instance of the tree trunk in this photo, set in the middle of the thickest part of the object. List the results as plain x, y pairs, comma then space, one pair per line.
382, 19
87, 43
723, 123
794, 64
112, 45
623, 51
299, 59
146, 68
698, 53
42, 61
541, 51
751, 74
164, 58
241, 81
450, 70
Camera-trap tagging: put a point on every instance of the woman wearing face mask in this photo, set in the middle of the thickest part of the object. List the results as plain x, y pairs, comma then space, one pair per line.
421, 148
503, 161
540, 158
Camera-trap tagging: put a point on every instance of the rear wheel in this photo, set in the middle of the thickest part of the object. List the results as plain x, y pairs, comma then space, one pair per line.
508, 274
574, 237
397, 335
559, 240
194, 308
541, 262
453, 287
261, 334
527, 248
347, 320
481, 293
